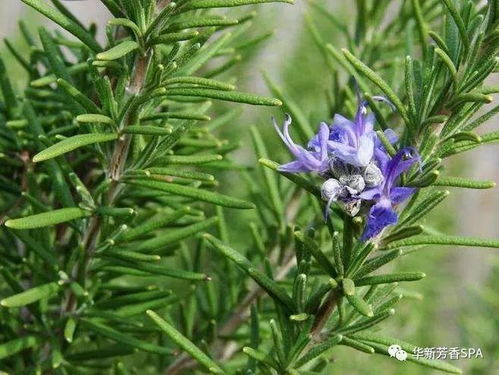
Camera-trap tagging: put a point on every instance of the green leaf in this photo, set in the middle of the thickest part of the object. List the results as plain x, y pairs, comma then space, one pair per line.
366, 323
15, 346
448, 62
471, 97
154, 223
211, 83
337, 255
109, 351
254, 336
51, 78
378, 81
72, 143
357, 302
377, 262
458, 20
358, 345
260, 357
200, 176
202, 22
420, 210
390, 278
132, 298
69, 330
203, 56
293, 108
402, 233
269, 285
31, 295
465, 136
9, 95
445, 240
94, 118
318, 349
190, 192
170, 38
188, 159
348, 287
185, 344
202, 4
421, 23
360, 305
78, 96
147, 130
230, 96
54, 55
139, 308
125, 23
270, 178
65, 23
175, 235
317, 253
118, 51
159, 269
130, 256
115, 211
381, 344
121, 338
464, 183
47, 218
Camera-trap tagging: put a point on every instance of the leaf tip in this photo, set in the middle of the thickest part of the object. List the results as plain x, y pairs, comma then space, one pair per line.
37, 158
8, 224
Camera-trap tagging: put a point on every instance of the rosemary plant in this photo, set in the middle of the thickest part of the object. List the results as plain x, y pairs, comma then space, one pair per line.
117, 251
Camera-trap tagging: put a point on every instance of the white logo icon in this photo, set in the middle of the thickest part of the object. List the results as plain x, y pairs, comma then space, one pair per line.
397, 352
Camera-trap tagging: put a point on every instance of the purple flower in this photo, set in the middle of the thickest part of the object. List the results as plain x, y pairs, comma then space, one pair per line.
313, 159
387, 194
351, 141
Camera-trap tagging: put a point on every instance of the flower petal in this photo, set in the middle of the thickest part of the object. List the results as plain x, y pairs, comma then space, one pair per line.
400, 194
370, 194
380, 216
293, 167
397, 165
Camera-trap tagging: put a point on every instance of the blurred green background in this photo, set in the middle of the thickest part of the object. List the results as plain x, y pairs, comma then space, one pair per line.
459, 306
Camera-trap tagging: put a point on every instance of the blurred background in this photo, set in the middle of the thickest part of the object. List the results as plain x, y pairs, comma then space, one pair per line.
457, 304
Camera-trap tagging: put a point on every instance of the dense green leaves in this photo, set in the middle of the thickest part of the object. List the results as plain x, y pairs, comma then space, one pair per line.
264, 281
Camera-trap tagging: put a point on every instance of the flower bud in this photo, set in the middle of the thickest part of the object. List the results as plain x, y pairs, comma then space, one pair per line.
354, 183
331, 189
373, 175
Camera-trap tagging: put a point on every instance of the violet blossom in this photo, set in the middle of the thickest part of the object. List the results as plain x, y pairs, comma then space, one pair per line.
315, 159
387, 195
357, 169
